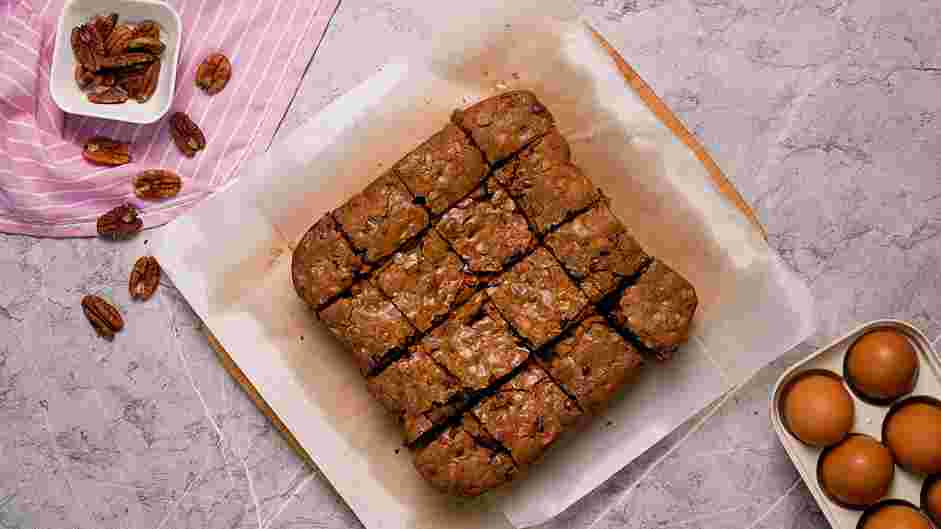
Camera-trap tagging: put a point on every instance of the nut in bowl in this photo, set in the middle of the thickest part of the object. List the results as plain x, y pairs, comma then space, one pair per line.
69, 86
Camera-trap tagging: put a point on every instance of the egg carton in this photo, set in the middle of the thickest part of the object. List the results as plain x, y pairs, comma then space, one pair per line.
868, 419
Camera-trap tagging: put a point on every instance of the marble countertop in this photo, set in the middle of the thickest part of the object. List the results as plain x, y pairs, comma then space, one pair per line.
825, 115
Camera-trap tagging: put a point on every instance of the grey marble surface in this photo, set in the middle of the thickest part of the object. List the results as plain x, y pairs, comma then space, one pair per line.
824, 113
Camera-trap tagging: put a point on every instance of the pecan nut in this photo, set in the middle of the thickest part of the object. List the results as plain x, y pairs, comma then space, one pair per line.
83, 77
145, 277
155, 184
103, 316
125, 60
107, 95
121, 222
147, 28
118, 39
186, 134
87, 46
214, 73
104, 25
147, 45
105, 151
149, 82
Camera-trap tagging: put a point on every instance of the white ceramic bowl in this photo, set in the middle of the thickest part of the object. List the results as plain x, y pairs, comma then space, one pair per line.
71, 99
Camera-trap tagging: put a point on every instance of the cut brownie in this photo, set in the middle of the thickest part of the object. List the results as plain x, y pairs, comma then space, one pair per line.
381, 218
548, 187
527, 414
465, 460
504, 124
593, 363
658, 309
443, 169
426, 281
486, 229
417, 391
596, 250
537, 297
475, 344
367, 323
323, 264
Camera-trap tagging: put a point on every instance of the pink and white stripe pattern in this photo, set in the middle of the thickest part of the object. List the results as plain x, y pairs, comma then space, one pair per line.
47, 189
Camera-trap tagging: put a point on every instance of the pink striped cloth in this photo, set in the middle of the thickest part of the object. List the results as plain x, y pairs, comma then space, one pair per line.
47, 189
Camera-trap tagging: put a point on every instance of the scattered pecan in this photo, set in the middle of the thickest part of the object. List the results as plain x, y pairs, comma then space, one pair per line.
104, 25
105, 151
147, 28
154, 184
146, 44
214, 73
186, 134
118, 39
121, 222
103, 316
125, 60
145, 277
107, 95
87, 46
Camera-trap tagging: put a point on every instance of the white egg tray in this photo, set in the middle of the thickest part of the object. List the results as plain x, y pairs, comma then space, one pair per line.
868, 417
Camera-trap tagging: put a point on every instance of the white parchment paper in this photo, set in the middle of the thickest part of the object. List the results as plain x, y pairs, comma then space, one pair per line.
230, 257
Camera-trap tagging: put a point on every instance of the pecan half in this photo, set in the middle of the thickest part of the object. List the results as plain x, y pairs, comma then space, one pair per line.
214, 73
149, 82
145, 277
147, 28
104, 24
105, 151
118, 39
121, 222
87, 46
107, 95
103, 316
83, 77
125, 60
154, 184
186, 134
146, 44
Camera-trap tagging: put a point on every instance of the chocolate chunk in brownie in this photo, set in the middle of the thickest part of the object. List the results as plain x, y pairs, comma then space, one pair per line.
443, 169
537, 298
547, 186
475, 344
504, 124
426, 280
527, 414
658, 309
597, 250
368, 323
593, 363
465, 460
416, 390
486, 229
381, 218
323, 264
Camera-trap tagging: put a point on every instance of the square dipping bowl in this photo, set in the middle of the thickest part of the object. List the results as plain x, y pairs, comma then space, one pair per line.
70, 98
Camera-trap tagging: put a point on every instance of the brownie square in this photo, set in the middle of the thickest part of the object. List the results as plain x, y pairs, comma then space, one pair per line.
416, 390
593, 363
465, 460
504, 124
486, 229
381, 218
323, 264
658, 309
475, 344
426, 280
443, 169
597, 251
537, 298
527, 414
368, 324
547, 186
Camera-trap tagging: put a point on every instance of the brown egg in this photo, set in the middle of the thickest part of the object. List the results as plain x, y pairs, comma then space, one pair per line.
882, 365
912, 431
817, 408
857, 472
897, 516
931, 500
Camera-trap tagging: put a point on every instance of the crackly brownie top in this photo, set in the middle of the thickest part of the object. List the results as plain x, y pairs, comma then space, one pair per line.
381, 218
323, 264
504, 124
